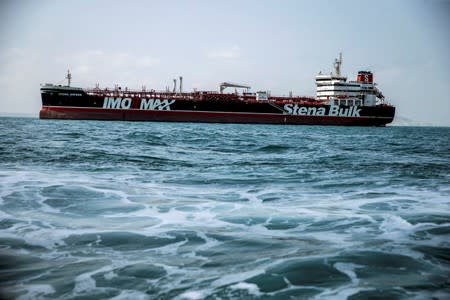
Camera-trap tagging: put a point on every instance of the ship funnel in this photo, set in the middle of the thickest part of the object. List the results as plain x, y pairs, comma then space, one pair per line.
174, 85
181, 84
365, 77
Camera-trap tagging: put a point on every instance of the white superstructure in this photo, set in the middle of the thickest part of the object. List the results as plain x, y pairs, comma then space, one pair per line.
335, 90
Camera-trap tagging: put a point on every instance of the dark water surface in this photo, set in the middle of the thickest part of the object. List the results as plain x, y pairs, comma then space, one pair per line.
100, 210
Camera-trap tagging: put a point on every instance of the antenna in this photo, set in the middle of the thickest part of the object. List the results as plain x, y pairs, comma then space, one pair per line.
68, 77
337, 64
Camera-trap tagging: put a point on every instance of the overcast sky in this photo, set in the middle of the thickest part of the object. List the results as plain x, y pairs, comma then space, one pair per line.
271, 45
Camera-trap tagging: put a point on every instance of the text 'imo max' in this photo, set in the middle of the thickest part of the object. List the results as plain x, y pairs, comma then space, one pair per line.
147, 104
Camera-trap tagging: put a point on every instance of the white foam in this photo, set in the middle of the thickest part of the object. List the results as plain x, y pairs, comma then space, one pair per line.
209, 241
131, 295
109, 275
341, 293
235, 278
84, 283
251, 288
395, 228
48, 226
349, 270
34, 291
191, 295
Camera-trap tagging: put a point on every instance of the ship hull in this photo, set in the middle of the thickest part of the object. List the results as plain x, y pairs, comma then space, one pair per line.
86, 113
77, 104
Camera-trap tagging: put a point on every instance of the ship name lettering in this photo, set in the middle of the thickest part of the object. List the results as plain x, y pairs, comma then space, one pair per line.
337, 111
294, 109
334, 111
117, 103
156, 104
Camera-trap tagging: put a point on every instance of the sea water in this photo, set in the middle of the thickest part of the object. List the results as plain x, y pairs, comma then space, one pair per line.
121, 210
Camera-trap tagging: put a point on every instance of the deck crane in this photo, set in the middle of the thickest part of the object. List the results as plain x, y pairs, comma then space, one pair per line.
225, 85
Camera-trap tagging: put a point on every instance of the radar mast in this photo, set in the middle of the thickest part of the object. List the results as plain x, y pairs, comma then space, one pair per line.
68, 77
337, 64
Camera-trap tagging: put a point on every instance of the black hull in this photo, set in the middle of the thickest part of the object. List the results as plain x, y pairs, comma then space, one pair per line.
72, 113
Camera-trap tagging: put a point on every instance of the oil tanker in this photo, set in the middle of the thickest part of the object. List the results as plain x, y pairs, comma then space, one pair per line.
337, 102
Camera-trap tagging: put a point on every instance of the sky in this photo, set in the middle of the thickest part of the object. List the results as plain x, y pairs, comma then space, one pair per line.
270, 45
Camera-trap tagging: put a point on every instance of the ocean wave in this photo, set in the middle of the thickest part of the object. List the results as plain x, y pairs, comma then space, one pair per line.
126, 210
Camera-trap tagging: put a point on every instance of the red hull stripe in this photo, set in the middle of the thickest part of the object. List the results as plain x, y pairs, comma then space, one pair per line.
86, 113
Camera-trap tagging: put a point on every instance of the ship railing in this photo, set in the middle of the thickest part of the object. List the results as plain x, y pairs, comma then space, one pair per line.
296, 99
148, 94
199, 95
